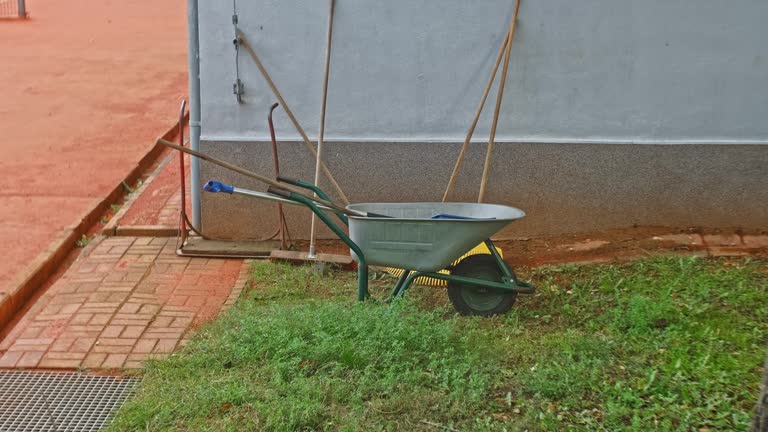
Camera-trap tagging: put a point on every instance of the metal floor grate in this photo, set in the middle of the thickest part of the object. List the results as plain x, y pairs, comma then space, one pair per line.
59, 401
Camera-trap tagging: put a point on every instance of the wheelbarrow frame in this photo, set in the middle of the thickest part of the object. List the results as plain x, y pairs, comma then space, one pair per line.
509, 282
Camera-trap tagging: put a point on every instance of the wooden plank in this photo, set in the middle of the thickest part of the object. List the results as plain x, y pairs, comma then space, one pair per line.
241, 249
345, 261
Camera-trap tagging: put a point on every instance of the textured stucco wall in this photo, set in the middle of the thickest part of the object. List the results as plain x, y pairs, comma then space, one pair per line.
608, 70
594, 89
562, 187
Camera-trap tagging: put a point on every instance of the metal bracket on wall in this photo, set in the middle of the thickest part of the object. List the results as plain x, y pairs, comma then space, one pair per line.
238, 89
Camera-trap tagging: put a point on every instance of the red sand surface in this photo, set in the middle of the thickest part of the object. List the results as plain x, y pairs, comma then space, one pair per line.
85, 88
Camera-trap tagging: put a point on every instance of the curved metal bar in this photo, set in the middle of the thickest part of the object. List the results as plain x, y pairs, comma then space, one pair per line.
362, 267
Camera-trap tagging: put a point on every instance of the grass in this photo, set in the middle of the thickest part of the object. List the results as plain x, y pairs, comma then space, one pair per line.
662, 344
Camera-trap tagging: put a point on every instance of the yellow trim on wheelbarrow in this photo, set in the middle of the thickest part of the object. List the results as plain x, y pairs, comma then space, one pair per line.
480, 249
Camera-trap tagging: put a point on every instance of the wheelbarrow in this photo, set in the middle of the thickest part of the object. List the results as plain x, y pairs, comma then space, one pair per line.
421, 238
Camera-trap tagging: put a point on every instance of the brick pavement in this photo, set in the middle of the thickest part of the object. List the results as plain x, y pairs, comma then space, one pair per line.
124, 300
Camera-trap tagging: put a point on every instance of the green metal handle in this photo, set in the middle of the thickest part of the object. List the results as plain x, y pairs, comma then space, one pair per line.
362, 267
319, 192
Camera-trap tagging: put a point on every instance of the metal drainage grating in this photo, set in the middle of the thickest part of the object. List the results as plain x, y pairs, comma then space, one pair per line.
59, 401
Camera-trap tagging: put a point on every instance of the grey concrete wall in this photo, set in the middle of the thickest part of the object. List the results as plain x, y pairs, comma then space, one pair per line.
563, 188
594, 87
600, 70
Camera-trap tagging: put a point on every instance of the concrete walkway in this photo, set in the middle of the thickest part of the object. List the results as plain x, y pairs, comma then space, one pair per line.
124, 300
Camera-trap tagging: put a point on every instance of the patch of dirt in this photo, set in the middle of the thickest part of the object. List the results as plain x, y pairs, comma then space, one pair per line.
603, 246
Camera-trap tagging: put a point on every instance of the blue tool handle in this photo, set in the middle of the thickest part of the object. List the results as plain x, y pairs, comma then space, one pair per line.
215, 186
457, 217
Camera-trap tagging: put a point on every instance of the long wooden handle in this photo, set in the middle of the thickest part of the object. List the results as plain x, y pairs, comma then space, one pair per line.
479, 110
258, 177
486, 165
310, 146
321, 134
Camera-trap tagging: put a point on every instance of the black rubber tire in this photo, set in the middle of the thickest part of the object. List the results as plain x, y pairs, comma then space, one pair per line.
465, 297
760, 422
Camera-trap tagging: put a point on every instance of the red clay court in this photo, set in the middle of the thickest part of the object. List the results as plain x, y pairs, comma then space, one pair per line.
85, 88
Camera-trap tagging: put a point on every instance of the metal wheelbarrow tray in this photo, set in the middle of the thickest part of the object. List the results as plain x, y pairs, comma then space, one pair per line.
422, 239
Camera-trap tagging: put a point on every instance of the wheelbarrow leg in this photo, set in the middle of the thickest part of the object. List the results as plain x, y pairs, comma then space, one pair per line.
362, 266
399, 284
362, 280
500, 261
407, 283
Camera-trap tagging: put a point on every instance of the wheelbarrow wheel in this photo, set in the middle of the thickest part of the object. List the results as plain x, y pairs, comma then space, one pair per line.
469, 299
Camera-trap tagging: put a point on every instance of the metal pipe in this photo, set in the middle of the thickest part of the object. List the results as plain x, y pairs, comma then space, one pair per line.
282, 226
22, 9
193, 59
183, 175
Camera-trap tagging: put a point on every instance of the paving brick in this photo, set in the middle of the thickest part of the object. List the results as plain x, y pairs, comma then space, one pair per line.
62, 360
145, 345
114, 361
115, 277
120, 287
119, 303
10, 358
29, 360
138, 356
162, 322
118, 297
117, 250
85, 328
51, 309
101, 305
49, 318
129, 308
182, 322
30, 348
104, 267
94, 360
100, 319
87, 288
31, 332
165, 345
82, 344
164, 333
62, 344
116, 341
172, 313
131, 322
69, 298
106, 349
177, 300
112, 331
48, 363
81, 318
150, 309
35, 341
132, 332
70, 309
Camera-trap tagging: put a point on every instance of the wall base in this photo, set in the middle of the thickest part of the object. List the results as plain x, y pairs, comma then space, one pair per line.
563, 188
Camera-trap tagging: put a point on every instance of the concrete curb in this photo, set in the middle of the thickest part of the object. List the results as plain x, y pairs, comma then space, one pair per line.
46, 263
146, 231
